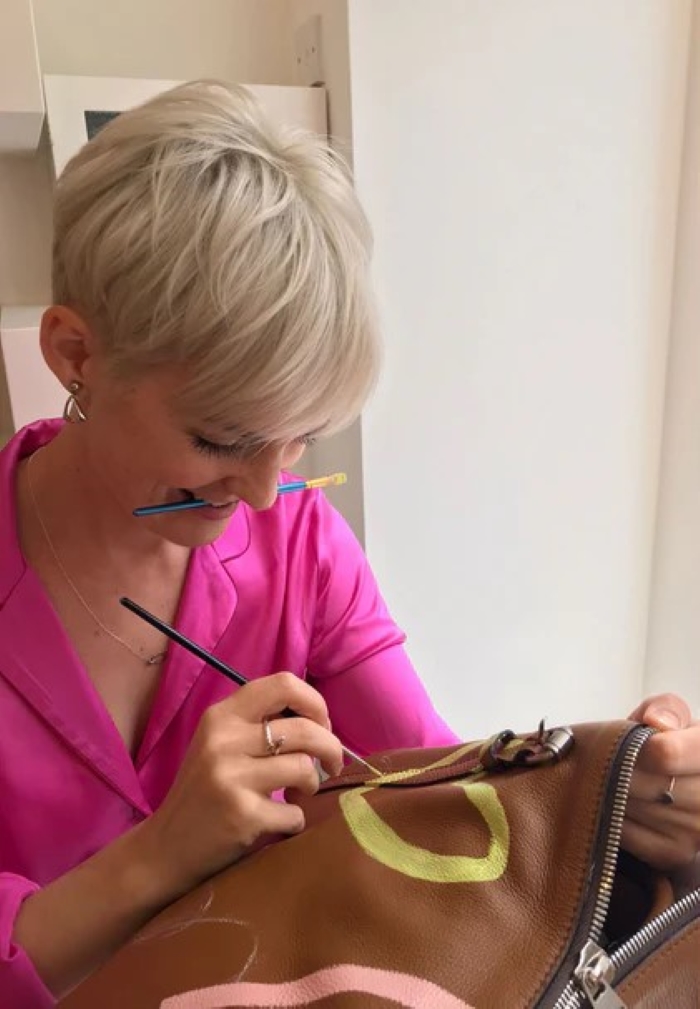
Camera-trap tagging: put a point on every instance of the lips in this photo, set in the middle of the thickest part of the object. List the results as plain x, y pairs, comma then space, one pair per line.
191, 496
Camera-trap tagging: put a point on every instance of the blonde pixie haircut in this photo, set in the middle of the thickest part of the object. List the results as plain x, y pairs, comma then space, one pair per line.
191, 232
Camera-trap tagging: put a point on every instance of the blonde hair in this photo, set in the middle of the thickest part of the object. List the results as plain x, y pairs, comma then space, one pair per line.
190, 231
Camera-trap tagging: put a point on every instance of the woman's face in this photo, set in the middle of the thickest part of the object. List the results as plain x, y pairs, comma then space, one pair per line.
143, 452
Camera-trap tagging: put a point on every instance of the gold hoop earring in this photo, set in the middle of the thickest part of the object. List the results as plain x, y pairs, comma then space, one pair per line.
73, 412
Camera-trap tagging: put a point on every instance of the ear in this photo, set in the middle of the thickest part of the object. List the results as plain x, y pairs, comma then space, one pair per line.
67, 343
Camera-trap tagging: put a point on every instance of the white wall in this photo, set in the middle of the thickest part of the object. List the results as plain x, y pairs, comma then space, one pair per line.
343, 452
25, 229
168, 39
520, 163
21, 100
674, 628
335, 60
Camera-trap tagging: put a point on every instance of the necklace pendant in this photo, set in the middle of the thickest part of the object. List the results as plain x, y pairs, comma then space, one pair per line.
155, 659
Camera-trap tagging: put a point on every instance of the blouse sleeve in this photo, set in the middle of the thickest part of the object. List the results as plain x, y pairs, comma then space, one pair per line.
20, 985
357, 659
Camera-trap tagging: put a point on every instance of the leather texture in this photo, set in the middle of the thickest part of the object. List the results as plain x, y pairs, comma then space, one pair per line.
456, 879
669, 978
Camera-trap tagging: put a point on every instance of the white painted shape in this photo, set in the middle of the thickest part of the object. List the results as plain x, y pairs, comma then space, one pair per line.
21, 101
34, 391
520, 164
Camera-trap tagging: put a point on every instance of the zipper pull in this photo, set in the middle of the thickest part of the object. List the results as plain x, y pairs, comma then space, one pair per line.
595, 973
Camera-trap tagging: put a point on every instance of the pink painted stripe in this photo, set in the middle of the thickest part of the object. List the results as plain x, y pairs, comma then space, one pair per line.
411, 992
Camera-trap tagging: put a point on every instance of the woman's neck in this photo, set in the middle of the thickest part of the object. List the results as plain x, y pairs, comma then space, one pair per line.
63, 496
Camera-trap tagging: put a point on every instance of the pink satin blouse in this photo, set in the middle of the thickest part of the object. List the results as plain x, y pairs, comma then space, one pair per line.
287, 588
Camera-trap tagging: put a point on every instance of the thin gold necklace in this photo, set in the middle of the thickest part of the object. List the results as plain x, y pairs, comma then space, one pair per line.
154, 659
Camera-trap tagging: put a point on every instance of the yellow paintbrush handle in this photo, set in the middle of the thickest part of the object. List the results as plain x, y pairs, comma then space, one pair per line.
334, 480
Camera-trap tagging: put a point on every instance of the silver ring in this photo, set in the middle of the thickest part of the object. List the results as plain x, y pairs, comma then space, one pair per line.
272, 745
667, 798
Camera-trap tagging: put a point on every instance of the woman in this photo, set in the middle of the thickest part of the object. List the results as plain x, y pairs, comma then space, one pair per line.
212, 315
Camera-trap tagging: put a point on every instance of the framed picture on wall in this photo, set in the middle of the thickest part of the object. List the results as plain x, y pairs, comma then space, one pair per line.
77, 107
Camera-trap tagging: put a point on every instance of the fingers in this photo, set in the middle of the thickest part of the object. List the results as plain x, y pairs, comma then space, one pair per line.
672, 821
660, 850
666, 834
298, 735
663, 711
261, 700
270, 695
280, 818
649, 787
235, 727
295, 773
289, 770
672, 753
220, 804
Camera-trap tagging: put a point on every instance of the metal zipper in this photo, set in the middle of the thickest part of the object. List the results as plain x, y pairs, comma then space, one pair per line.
572, 997
595, 974
597, 970
681, 913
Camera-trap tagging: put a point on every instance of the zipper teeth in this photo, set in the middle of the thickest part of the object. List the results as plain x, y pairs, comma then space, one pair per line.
653, 929
572, 997
612, 846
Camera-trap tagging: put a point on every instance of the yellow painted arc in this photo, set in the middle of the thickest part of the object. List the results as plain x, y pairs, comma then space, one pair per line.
383, 844
414, 772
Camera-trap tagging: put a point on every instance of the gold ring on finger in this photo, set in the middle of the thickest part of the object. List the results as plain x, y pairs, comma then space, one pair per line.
667, 798
273, 744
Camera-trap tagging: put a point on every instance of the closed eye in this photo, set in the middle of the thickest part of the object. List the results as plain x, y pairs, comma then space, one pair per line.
240, 448
234, 450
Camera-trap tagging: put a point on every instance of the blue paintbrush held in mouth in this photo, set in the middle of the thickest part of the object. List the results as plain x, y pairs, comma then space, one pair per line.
334, 480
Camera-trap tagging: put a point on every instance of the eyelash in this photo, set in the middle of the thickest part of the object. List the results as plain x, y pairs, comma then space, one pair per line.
212, 448
237, 449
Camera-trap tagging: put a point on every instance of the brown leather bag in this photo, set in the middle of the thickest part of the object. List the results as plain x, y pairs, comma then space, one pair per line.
477, 877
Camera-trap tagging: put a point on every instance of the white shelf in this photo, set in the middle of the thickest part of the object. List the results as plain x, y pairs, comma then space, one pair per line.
21, 96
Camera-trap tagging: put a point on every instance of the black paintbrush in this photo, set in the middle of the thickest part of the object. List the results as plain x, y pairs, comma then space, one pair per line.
211, 660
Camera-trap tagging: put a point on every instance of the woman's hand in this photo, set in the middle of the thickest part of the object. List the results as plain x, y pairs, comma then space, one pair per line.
665, 834
220, 803
218, 806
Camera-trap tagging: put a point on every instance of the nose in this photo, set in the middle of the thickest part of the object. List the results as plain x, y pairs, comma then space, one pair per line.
259, 486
